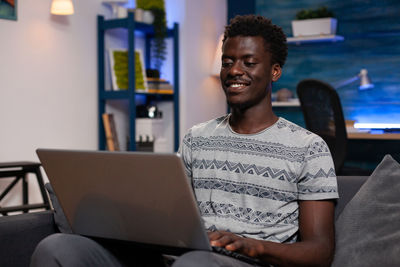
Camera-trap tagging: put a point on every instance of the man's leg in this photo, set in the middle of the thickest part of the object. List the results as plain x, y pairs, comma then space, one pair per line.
75, 250
72, 250
209, 259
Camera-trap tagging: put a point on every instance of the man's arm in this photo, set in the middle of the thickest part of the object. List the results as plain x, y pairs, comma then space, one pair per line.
315, 248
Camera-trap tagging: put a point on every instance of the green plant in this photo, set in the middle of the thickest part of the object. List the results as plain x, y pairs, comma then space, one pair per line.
321, 12
157, 7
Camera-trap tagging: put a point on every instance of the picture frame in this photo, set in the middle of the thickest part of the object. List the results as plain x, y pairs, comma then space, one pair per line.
120, 73
8, 9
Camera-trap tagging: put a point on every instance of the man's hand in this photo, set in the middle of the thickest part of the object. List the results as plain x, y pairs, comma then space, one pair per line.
247, 246
315, 247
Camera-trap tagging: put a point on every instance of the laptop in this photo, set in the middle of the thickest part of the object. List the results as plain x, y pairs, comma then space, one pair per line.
144, 198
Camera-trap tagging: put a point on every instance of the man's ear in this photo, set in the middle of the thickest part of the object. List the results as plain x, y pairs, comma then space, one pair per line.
276, 72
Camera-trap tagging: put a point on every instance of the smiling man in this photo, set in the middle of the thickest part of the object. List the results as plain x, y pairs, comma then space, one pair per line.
264, 186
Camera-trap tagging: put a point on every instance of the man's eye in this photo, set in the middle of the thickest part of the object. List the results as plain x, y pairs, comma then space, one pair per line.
250, 64
226, 63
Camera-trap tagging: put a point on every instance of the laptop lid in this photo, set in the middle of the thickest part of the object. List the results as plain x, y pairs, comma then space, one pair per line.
131, 196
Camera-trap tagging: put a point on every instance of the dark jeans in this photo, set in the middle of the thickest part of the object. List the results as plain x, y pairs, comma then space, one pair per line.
74, 250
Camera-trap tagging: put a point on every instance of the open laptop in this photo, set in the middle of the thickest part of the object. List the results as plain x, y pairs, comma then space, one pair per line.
144, 198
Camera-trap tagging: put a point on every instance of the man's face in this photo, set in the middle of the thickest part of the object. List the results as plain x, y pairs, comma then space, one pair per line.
246, 72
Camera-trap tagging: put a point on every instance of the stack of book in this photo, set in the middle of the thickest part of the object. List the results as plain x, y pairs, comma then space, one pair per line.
159, 86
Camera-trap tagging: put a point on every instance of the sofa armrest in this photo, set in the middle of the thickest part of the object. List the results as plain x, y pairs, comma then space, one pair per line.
19, 235
348, 186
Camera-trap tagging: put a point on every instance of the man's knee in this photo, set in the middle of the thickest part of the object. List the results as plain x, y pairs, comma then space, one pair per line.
206, 258
46, 249
71, 250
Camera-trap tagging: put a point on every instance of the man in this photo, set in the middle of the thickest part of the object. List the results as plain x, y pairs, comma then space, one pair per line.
264, 185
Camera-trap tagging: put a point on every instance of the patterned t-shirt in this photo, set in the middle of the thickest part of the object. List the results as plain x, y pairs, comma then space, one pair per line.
250, 184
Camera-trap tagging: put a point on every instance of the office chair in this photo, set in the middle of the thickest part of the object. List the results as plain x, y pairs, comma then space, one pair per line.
323, 116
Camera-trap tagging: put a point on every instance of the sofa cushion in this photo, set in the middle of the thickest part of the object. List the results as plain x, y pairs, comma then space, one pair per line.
368, 229
348, 186
20, 234
59, 216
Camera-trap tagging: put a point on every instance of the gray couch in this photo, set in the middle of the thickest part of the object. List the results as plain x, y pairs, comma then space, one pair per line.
19, 234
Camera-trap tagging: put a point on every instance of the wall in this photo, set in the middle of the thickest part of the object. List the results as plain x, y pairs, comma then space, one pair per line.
47, 82
201, 95
48, 76
372, 33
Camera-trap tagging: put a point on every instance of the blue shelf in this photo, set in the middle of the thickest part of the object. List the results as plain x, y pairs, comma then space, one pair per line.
124, 94
130, 94
314, 39
148, 29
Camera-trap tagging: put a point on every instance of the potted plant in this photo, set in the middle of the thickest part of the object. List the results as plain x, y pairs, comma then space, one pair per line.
157, 7
312, 22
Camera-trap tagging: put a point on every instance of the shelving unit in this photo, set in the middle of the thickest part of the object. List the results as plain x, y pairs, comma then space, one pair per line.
131, 25
314, 39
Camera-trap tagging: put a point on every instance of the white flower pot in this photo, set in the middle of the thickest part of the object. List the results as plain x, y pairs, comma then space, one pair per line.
310, 27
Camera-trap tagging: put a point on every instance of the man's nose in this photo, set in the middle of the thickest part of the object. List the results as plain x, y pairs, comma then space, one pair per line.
236, 69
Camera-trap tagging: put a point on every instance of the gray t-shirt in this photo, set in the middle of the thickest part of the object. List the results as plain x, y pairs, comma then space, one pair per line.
250, 184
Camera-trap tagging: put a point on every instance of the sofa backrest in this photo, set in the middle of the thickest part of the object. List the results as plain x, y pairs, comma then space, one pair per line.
348, 186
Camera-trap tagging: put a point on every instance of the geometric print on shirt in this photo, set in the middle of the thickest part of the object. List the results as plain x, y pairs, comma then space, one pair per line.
247, 146
239, 167
248, 215
243, 188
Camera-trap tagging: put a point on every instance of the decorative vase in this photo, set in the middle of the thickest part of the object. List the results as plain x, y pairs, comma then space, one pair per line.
148, 17
312, 27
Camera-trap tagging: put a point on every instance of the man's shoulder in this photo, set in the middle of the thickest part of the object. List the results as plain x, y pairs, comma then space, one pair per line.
208, 126
290, 132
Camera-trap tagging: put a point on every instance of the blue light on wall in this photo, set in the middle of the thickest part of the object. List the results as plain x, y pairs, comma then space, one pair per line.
371, 31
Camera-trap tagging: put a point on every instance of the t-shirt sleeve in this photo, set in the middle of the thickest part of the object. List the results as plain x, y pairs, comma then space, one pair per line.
185, 152
317, 178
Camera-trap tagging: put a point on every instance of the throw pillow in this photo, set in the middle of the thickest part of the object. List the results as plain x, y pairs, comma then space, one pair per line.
368, 229
59, 216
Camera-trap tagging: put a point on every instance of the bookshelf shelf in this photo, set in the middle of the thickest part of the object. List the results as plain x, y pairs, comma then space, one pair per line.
314, 39
124, 94
130, 94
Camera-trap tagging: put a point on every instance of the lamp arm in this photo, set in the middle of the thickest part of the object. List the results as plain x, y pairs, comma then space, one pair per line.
342, 83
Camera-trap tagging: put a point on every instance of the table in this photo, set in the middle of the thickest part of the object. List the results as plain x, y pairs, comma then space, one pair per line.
369, 147
351, 134
19, 170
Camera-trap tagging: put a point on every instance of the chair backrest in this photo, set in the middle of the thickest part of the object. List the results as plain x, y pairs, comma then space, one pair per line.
323, 116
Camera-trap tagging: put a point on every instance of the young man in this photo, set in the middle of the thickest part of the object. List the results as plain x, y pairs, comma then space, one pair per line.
264, 185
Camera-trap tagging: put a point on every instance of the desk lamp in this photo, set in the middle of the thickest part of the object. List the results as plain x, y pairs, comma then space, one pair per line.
62, 7
365, 81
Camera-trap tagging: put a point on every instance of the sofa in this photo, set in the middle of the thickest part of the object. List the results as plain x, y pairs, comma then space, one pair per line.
356, 245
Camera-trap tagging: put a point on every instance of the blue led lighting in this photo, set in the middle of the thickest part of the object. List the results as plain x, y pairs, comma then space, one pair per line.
377, 125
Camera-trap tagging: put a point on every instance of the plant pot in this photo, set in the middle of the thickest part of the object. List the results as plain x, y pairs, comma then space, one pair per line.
312, 27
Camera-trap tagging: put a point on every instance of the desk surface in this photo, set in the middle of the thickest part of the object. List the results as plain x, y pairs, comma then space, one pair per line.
294, 102
353, 133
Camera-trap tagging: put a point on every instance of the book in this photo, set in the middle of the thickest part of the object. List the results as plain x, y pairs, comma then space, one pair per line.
152, 79
110, 131
159, 86
119, 67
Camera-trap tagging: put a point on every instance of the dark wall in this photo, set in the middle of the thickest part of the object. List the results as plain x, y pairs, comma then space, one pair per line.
240, 7
372, 40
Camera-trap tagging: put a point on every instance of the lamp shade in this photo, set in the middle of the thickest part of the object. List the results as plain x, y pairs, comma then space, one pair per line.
365, 81
62, 7
216, 67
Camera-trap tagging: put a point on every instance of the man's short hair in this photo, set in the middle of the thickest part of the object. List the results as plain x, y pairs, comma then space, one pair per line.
252, 25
